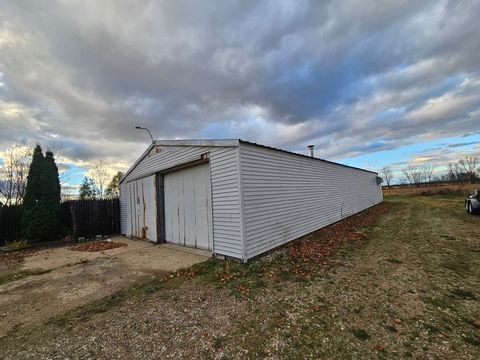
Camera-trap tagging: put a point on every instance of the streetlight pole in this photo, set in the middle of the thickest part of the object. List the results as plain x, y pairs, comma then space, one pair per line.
144, 128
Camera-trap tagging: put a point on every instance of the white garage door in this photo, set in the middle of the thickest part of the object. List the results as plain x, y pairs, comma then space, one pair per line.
188, 207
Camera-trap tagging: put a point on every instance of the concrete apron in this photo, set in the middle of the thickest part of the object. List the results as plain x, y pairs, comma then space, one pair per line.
138, 255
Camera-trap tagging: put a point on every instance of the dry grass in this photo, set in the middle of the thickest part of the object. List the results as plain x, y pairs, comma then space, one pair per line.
408, 289
434, 189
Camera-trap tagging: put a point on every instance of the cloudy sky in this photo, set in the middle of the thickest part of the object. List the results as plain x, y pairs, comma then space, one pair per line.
369, 83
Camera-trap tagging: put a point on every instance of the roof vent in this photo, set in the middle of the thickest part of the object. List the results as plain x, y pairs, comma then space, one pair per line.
310, 150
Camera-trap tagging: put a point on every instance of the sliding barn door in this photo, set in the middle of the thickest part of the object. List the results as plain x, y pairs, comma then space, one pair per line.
188, 220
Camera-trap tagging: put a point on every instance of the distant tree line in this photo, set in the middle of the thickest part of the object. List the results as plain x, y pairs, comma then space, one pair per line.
464, 171
89, 189
419, 174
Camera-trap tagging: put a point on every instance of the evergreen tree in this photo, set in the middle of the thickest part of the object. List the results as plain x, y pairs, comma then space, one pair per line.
112, 188
51, 197
41, 205
88, 189
34, 186
51, 180
35, 216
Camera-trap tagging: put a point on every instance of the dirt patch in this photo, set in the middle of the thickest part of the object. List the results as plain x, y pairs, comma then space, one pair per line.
8, 257
29, 300
95, 246
12, 260
11, 263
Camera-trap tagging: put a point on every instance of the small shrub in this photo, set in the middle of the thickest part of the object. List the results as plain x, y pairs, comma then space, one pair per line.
361, 334
18, 245
254, 268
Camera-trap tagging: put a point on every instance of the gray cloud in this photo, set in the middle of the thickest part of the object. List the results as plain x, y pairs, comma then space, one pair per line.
351, 77
463, 144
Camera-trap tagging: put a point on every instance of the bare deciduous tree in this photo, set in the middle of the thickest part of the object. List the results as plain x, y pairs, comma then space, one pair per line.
101, 175
413, 174
428, 172
13, 174
406, 173
387, 174
417, 174
453, 170
471, 167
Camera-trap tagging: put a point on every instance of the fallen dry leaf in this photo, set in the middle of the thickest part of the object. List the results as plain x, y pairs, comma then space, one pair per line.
324, 242
95, 246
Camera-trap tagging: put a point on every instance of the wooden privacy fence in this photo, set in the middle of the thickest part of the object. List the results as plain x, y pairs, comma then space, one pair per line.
88, 218
83, 218
10, 229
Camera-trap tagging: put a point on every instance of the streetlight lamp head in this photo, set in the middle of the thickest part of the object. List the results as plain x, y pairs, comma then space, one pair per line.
144, 128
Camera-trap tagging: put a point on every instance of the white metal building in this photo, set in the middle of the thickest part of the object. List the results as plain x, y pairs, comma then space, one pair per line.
236, 198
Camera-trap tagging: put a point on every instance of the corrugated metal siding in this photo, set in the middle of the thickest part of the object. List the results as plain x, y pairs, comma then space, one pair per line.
123, 207
226, 214
286, 196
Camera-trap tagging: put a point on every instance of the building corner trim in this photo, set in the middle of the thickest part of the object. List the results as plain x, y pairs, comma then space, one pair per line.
240, 194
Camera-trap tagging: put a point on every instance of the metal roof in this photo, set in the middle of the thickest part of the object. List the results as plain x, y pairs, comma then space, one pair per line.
307, 156
225, 143
199, 142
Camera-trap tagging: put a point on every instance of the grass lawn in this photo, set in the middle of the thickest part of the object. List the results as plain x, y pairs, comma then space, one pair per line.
406, 285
